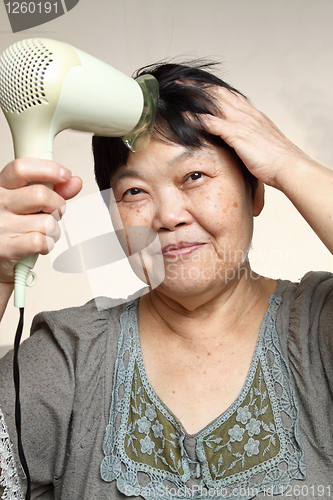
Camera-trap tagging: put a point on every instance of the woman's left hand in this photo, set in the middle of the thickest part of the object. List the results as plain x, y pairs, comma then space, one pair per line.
263, 148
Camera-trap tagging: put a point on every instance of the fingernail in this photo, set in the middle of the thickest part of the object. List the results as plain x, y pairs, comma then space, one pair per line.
62, 210
65, 174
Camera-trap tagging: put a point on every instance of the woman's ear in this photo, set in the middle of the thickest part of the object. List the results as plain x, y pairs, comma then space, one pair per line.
259, 199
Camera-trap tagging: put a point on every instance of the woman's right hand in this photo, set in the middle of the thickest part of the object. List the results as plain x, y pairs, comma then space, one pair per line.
25, 208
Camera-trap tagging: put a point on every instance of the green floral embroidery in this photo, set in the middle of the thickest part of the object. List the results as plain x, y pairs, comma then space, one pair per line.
147, 439
250, 431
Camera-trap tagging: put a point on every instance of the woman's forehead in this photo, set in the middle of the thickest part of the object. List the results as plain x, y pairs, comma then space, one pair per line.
163, 155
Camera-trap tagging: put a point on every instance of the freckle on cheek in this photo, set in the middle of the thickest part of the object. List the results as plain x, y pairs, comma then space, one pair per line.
235, 204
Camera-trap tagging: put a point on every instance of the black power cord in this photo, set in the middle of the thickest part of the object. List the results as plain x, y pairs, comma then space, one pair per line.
16, 374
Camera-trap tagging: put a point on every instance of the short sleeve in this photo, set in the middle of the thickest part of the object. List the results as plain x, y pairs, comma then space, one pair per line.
46, 395
308, 338
50, 363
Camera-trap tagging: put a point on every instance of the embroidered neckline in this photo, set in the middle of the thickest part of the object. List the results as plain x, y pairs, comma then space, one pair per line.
224, 416
160, 456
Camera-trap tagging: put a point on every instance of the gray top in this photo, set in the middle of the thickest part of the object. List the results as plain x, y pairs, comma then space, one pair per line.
68, 381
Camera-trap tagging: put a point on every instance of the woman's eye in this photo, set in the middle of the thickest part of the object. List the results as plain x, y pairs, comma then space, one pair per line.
193, 180
133, 192
195, 176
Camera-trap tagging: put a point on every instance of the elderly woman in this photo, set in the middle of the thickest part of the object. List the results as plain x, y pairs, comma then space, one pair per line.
217, 383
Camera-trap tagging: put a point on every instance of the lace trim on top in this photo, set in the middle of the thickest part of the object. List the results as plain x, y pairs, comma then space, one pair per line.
255, 445
9, 482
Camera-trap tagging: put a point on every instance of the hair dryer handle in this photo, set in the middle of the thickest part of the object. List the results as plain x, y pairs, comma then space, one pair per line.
22, 274
23, 268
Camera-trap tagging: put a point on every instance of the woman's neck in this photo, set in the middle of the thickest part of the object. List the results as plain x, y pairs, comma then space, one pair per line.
227, 311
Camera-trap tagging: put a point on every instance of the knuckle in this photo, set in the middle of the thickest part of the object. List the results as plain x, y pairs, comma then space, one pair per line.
38, 243
40, 193
17, 167
51, 226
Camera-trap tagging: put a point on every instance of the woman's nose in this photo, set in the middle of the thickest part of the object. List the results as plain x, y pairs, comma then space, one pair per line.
171, 211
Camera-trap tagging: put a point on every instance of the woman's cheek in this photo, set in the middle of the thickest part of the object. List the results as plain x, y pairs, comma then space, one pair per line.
134, 215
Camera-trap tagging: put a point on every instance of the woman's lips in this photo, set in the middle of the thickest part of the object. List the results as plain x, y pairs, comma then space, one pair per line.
181, 249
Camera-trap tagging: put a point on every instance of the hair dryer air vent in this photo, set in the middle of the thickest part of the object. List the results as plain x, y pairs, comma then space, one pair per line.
22, 70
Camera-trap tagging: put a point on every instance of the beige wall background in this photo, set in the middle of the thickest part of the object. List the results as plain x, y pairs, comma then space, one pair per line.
277, 52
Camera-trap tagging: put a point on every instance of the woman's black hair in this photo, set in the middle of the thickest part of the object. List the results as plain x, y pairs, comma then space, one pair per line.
184, 89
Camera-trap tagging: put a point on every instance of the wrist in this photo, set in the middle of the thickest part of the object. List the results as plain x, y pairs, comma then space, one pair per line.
297, 171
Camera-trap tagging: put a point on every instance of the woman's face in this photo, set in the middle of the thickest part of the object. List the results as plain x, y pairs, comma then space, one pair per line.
199, 205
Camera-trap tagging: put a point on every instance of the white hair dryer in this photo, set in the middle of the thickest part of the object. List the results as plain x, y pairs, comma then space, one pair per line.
47, 86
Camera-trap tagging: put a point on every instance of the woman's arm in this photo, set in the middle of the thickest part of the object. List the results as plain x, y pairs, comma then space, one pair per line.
276, 161
309, 186
24, 210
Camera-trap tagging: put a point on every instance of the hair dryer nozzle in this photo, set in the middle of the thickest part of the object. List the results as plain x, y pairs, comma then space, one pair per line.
139, 137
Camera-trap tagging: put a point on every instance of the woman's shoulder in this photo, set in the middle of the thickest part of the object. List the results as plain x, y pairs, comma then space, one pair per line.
93, 327
310, 288
306, 314
87, 318
306, 310
316, 283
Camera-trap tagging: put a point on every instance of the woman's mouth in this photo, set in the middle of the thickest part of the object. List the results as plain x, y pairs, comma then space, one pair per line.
180, 249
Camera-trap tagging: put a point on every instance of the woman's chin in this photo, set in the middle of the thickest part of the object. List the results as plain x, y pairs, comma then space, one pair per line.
190, 287
196, 282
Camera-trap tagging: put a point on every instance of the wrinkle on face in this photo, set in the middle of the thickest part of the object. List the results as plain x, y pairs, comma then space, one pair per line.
217, 212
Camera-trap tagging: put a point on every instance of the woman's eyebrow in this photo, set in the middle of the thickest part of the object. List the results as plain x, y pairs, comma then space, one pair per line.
190, 152
182, 156
121, 174
128, 172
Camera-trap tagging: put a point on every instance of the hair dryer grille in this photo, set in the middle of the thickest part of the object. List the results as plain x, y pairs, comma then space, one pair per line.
22, 69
